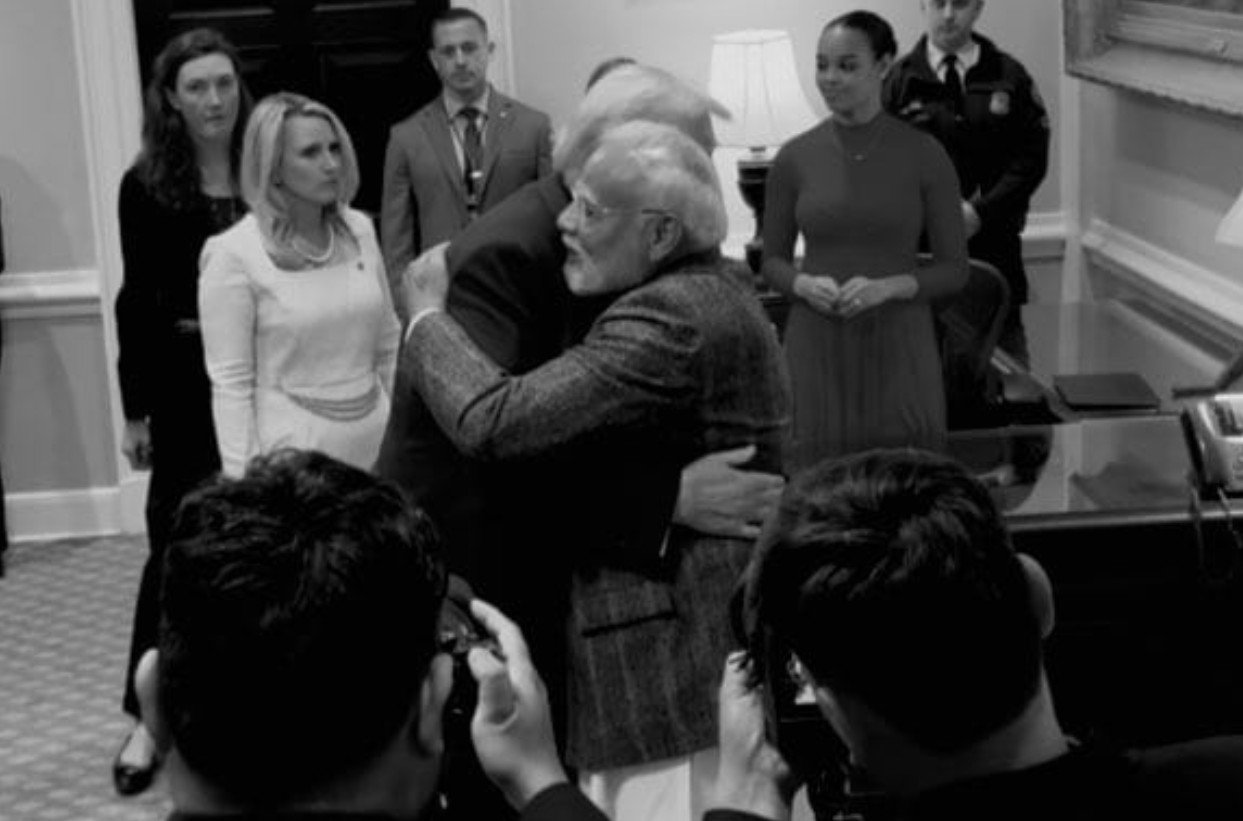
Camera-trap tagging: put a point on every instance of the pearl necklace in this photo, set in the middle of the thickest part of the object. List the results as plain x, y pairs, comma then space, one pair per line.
311, 257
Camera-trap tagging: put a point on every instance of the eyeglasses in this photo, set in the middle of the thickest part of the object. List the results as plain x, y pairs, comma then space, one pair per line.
589, 212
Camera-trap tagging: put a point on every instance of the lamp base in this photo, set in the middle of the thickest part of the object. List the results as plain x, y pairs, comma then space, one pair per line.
753, 183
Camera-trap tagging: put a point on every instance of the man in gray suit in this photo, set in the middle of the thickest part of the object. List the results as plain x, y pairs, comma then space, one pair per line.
682, 363
461, 153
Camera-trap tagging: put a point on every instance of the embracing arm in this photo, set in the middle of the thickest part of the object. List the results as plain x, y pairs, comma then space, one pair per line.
227, 313
635, 368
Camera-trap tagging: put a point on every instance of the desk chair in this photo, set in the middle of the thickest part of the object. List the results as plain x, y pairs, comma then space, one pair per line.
968, 324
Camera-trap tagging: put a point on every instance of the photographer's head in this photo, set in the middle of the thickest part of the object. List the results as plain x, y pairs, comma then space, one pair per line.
297, 657
891, 578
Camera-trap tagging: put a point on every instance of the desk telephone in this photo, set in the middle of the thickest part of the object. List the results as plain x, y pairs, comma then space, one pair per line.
1214, 431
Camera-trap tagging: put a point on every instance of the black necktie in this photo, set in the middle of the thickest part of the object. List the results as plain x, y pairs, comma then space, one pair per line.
472, 147
953, 83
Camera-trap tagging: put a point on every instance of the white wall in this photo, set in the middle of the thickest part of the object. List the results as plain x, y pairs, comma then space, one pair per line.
47, 213
58, 409
558, 42
1162, 172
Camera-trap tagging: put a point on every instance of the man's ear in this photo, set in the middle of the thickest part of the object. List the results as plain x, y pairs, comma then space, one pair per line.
428, 730
1040, 590
665, 235
831, 707
147, 687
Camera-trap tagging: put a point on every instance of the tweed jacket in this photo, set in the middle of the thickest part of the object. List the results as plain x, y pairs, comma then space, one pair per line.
424, 198
681, 366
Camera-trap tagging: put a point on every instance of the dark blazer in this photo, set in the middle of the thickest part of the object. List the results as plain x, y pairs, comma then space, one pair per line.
681, 366
999, 145
507, 292
424, 199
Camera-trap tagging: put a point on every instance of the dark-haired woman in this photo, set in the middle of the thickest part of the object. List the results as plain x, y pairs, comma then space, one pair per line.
861, 188
182, 188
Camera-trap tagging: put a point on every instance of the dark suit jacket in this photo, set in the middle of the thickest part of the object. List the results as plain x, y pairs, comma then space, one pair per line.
507, 293
681, 366
999, 144
424, 200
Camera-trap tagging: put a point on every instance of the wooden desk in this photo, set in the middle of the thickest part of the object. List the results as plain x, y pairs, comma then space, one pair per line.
1145, 578
1107, 336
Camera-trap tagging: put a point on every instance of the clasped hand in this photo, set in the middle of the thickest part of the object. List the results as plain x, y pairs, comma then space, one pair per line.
847, 300
425, 282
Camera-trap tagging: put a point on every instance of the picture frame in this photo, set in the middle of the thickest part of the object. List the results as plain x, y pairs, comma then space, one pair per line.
1180, 51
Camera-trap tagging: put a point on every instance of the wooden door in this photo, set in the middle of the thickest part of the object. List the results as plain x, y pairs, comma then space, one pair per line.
365, 59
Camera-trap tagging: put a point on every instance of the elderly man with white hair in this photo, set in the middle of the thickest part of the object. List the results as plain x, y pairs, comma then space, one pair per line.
683, 362
511, 527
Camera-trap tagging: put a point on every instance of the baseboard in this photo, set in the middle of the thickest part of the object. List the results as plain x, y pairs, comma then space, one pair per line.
41, 294
39, 516
1208, 304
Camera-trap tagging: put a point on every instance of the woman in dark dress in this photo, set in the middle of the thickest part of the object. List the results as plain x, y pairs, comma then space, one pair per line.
182, 189
862, 188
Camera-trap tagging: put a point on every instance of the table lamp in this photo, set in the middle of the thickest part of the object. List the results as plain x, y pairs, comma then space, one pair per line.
752, 74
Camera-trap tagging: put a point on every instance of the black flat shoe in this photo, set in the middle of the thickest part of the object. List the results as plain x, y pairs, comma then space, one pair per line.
129, 779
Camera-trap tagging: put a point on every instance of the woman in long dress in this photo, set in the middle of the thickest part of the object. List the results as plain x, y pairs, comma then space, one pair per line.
862, 187
182, 188
299, 329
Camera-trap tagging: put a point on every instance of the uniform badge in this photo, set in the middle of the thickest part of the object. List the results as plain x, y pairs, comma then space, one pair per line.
999, 103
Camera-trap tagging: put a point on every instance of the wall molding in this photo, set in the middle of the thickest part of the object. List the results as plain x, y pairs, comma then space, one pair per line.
1044, 239
50, 294
61, 514
1209, 305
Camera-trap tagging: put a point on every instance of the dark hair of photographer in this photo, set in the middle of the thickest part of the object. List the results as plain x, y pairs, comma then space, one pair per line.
300, 608
891, 577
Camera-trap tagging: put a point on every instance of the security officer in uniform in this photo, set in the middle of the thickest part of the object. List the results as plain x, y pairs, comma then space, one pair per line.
984, 108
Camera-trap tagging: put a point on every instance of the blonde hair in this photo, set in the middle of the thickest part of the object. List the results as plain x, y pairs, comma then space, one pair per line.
635, 92
263, 148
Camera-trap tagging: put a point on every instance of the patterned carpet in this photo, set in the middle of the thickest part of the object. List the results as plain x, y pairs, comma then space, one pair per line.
65, 610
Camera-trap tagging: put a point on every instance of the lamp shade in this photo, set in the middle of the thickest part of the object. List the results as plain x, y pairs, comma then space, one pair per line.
753, 75
1230, 230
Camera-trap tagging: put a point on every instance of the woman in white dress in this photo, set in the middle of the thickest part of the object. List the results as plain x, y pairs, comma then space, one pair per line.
299, 331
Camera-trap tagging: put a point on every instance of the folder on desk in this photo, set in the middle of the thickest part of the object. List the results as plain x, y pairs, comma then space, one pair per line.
1106, 391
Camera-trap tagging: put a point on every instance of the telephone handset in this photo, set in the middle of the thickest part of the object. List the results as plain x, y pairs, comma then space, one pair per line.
1214, 431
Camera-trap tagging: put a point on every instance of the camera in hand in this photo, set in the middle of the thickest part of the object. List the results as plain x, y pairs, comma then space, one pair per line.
466, 793
796, 727
458, 632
